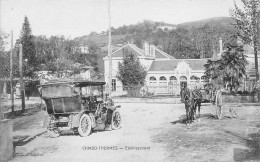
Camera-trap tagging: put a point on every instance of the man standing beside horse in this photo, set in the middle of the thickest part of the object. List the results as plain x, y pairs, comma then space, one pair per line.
191, 100
219, 102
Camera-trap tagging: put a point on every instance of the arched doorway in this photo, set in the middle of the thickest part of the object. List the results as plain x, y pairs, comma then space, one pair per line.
172, 85
183, 81
152, 84
162, 88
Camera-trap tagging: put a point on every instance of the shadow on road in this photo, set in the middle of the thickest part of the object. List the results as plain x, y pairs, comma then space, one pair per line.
182, 119
23, 140
251, 154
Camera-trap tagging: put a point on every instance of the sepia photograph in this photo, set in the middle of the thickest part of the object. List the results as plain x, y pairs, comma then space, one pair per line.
129, 81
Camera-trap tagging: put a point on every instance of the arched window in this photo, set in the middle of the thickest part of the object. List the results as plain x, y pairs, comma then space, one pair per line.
163, 81
173, 79
183, 78
183, 81
152, 78
152, 81
194, 77
203, 78
162, 78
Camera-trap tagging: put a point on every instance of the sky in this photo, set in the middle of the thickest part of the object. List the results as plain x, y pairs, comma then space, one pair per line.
74, 18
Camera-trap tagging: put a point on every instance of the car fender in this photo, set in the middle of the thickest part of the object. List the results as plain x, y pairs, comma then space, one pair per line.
113, 108
76, 118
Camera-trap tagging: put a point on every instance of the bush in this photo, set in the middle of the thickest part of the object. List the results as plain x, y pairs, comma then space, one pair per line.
133, 91
245, 93
239, 92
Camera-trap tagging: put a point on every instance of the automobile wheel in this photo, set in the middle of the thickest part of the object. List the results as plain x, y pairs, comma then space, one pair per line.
116, 120
54, 133
84, 125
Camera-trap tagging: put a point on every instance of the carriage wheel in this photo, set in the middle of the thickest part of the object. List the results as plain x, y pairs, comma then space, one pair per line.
84, 125
116, 120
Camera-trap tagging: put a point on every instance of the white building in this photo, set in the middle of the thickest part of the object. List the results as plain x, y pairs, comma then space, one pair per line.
84, 48
165, 74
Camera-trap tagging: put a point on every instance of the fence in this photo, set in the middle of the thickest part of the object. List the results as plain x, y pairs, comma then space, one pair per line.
173, 89
30, 87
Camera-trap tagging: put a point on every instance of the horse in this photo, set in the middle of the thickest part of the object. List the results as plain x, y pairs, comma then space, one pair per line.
191, 99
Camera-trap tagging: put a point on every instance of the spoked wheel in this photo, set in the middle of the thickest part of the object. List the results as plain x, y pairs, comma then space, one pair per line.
84, 125
54, 133
116, 120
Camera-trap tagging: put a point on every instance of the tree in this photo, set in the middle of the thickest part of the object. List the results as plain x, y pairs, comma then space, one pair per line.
230, 69
196, 42
247, 21
29, 51
60, 55
131, 73
4, 58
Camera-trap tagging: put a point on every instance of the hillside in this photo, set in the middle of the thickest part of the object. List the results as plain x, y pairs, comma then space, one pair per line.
154, 32
224, 21
131, 33
196, 39
101, 40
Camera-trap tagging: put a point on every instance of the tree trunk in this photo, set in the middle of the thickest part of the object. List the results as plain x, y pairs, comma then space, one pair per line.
256, 44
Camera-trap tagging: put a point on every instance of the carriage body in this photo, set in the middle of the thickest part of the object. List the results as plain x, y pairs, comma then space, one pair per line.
208, 96
80, 106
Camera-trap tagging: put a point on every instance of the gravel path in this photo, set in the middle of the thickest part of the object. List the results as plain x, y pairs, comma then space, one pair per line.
155, 132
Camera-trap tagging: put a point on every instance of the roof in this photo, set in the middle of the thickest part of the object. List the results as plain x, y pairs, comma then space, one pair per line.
170, 65
77, 83
129, 47
159, 54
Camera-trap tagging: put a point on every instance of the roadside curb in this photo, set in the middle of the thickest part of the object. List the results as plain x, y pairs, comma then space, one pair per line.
27, 138
20, 147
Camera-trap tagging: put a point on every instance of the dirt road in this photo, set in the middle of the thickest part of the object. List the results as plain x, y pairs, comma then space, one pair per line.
155, 132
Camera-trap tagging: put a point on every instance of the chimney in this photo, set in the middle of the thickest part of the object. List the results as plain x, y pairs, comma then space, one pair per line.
152, 50
220, 46
146, 48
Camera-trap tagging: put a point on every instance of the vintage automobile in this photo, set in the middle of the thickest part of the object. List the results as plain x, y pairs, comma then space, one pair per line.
80, 106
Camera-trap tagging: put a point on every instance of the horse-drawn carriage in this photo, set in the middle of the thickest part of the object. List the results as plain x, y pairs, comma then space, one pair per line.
79, 106
194, 98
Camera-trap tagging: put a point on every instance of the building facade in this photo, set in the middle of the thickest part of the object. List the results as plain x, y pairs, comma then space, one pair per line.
165, 74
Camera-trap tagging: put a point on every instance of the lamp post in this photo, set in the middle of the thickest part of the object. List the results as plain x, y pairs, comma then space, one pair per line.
256, 38
109, 51
11, 75
257, 43
21, 76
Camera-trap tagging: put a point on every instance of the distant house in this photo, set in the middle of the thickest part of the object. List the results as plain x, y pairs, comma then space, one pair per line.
167, 27
165, 74
85, 72
84, 48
